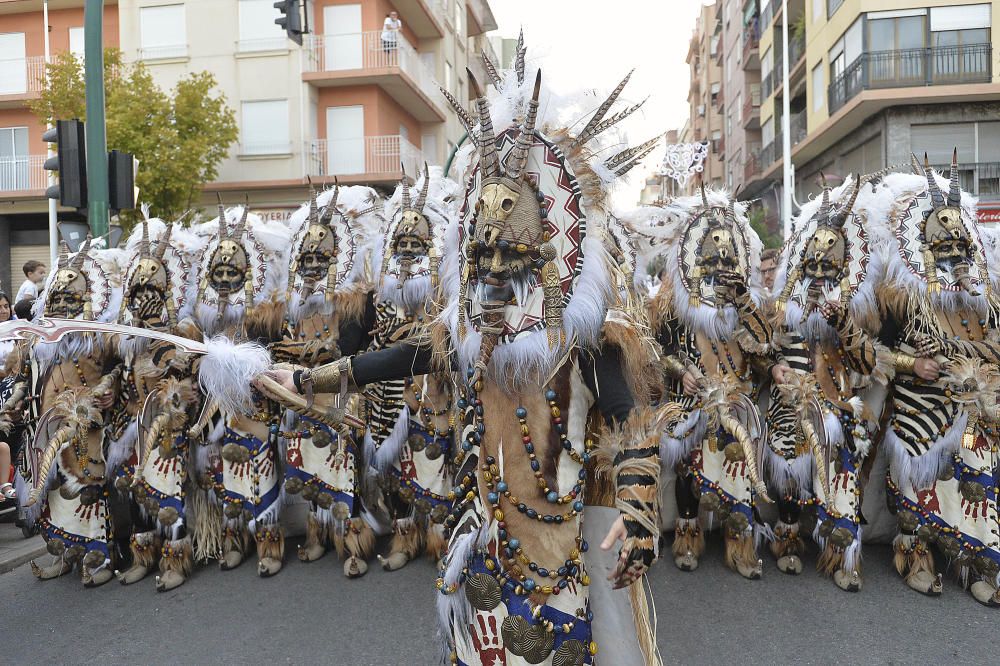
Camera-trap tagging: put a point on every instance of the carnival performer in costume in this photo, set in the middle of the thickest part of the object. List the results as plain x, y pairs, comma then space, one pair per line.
410, 427
244, 269
528, 283
66, 389
940, 309
329, 312
717, 349
150, 448
818, 425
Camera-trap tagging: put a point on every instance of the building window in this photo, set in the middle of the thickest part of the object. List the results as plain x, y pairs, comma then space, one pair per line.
76, 43
817, 10
832, 6
729, 68
162, 32
818, 89
265, 128
767, 132
14, 173
258, 31
459, 10
14, 72
448, 77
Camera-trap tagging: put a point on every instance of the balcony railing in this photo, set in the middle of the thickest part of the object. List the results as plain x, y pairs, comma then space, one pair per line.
751, 40
364, 155
21, 174
771, 153
163, 52
264, 44
796, 49
978, 178
767, 85
751, 104
970, 63
751, 167
22, 75
367, 51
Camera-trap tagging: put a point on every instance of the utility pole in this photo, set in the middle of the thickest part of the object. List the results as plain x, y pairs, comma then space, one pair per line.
97, 142
786, 139
53, 217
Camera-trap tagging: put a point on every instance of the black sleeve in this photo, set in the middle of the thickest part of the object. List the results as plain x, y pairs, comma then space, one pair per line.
355, 335
396, 362
604, 376
889, 334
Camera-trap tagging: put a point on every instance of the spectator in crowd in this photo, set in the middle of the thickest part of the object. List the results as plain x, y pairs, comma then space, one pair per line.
768, 267
34, 273
22, 309
390, 30
7, 493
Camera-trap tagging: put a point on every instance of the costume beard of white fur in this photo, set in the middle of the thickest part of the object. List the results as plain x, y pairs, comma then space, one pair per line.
413, 297
815, 328
315, 303
718, 323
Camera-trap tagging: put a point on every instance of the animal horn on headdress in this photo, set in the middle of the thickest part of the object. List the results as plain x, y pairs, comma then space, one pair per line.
824, 207
405, 188
701, 188
223, 222
460, 111
731, 213
62, 260
163, 242
936, 195
422, 197
144, 239
518, 157
491, 70
313, 205
327, 215
915, 165
846, 209
590, 130
954, 189
241, 227
81, 254
519, 52
489, 162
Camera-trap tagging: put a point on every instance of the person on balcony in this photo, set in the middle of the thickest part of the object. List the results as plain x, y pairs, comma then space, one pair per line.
390, 31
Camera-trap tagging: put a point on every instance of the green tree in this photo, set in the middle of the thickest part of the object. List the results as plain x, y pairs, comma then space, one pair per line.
179, 138
759, 224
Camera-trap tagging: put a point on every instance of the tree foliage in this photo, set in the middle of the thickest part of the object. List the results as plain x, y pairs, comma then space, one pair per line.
179, 138
758, 222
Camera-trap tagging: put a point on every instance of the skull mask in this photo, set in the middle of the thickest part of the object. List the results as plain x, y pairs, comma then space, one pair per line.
68, 292
148, 290
319, 247
944, 233
229, 266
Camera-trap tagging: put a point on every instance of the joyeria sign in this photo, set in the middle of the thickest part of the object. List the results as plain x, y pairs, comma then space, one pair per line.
988, 212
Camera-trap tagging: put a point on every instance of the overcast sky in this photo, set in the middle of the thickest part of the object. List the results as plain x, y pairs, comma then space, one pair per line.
589, 43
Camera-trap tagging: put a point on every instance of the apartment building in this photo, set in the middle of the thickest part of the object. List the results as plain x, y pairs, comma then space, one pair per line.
350, 103
706, 96
872, 81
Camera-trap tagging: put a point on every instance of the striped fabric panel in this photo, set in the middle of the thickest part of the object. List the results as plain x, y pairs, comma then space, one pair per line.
920, 412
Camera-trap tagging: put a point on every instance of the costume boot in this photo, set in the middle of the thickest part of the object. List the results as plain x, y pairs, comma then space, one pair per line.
405, 545
787, 548
95, 569
359, 542
270, 549
145, 547
915, 563
689, 543
741, 555
62, 563
315, 545
834, 561
235, 543
176, 564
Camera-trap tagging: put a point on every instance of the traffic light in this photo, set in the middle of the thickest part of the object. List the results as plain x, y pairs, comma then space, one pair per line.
69, 163
121, 180
290, 19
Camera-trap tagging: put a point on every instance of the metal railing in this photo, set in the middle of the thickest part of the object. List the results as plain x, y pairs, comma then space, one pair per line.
367, 51
767, 85
751, 40
361, 155
22, 75
796, 49
977, 178
771, 153
262, 148
19, 174
263, 44
751, 165
970, 63
751, 103
163, 52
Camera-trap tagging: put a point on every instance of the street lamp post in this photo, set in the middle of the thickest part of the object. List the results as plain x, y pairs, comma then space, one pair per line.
786, 139
97, 142
53, 217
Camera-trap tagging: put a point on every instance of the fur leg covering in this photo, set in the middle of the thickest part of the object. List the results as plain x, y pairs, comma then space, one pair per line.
316, 538
689, 543
145, 548
95, 569
915, 562
359, 542
235, 544
436, 543
270, 549
787, 547
741, 554
176, 564
407, 542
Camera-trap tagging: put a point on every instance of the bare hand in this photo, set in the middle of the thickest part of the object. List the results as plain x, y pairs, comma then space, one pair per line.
832, 311
927, 369
778, 373
104, 400
616, 533
690, 382
283, 377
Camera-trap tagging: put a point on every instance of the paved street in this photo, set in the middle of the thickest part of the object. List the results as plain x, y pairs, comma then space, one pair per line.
310, 613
